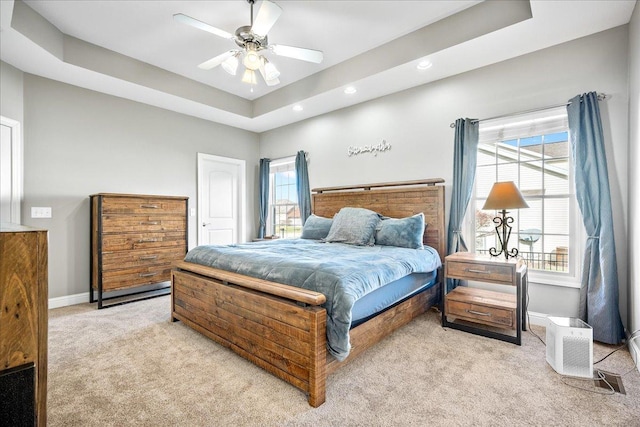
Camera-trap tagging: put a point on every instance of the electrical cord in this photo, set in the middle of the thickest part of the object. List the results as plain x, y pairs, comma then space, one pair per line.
626, 343
529, 321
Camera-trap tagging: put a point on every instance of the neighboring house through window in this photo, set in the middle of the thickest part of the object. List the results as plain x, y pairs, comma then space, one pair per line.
283, 219
532, 151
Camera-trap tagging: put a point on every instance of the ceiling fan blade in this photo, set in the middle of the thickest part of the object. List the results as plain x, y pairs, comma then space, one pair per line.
180, 17
309, 55
214, 62
267, 16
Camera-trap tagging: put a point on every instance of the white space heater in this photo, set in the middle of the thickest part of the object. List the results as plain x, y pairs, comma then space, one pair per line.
570, 346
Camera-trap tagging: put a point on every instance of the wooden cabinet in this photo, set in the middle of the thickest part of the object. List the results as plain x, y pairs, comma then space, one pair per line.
504, 313
134, 241
23, 325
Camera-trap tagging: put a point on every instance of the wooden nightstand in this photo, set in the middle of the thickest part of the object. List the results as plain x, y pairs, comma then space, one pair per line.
488, 313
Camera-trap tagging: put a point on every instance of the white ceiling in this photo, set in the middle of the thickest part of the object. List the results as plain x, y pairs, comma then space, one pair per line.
373, 45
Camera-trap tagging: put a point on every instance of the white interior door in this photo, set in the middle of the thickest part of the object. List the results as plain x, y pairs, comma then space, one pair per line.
221, 190
10, 170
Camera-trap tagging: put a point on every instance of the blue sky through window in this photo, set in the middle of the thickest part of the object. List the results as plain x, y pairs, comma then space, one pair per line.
286, 186
537, 140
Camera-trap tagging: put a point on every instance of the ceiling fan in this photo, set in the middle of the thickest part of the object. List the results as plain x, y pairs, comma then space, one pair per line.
252, 39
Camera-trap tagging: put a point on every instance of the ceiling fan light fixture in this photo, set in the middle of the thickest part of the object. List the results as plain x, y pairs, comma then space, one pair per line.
249, 77
230, 65
270, 71
272, 79
251, 57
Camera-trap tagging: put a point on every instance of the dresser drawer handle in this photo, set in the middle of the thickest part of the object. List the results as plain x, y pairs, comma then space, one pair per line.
147, 274
147, 240
148, 257
479, 313
149, 222
150, 206
470, 270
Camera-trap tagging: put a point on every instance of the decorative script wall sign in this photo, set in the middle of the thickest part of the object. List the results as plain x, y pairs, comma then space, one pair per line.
374, 149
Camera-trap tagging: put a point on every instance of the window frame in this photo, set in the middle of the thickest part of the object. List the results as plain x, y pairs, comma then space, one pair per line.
278, 163
577, 234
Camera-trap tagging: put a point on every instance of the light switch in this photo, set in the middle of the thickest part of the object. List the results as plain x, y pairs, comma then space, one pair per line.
37, 212
193, 212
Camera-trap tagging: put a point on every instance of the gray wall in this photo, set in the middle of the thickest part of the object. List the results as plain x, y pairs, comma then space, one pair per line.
416, 123
11, 83
634, 174
78, 142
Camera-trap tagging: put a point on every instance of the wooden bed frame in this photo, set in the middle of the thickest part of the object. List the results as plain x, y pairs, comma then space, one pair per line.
282, 328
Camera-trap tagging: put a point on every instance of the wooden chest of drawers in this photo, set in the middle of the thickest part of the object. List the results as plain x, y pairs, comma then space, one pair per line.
134, 240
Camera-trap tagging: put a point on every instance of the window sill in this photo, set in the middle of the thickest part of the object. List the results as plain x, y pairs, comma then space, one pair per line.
553, 280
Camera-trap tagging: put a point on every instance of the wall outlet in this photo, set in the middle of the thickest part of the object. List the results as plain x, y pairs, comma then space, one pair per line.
40, 212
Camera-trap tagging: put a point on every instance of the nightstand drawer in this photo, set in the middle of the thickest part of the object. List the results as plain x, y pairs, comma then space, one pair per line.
482, 272
482, 306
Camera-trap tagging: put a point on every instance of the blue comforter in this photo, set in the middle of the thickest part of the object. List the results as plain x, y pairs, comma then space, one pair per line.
343, 273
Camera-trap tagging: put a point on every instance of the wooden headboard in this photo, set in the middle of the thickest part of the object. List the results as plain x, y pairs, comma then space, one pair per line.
392, 199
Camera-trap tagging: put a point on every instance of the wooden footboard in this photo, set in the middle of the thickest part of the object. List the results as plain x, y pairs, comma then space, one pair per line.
283, 335
276, 333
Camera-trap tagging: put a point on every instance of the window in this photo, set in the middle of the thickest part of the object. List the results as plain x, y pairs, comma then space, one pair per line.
283, 218
533, 152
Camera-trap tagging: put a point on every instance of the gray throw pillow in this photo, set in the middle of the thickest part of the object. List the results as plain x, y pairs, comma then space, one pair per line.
354, 226
404, 232
316, 227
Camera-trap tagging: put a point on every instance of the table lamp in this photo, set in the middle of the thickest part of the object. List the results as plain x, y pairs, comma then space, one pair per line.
503, 196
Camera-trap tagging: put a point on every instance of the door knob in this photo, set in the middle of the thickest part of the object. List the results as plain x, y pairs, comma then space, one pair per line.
204, 224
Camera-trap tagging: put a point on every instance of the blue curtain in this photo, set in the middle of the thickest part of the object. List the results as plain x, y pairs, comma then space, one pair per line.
264, 196
302, 186
599, 290
465, 155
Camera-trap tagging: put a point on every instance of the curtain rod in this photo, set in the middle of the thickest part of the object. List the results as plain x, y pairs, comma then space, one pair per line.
601, 97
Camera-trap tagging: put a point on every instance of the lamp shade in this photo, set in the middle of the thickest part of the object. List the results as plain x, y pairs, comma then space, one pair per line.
230, 65
270, 71
249, 76
504, 195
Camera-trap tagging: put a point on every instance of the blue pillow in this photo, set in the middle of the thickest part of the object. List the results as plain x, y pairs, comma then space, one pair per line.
354, 226
405, 232
316, 227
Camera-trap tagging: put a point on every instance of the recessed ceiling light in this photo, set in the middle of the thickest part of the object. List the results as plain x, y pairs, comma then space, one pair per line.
297, 107
349, 90
423, 65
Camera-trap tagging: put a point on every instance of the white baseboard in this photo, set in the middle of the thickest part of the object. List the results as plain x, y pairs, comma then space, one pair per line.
634, 349
68, 300
538, 319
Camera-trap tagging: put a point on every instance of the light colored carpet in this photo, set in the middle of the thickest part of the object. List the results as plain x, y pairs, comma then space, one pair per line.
129, 365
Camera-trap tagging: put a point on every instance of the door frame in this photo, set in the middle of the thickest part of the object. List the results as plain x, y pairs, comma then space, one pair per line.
242, 187
16, 168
